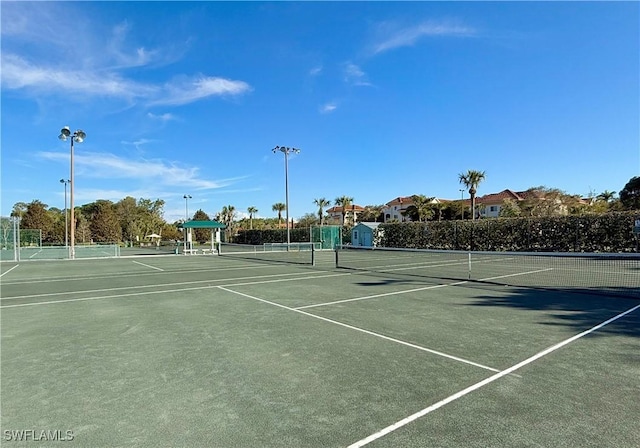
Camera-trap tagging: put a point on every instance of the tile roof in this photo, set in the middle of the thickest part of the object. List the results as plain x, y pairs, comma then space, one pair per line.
337, 209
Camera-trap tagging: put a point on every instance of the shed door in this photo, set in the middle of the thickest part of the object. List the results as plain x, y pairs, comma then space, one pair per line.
367, 239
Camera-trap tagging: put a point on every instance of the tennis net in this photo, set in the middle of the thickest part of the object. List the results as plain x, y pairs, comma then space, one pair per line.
613, 274
294, 253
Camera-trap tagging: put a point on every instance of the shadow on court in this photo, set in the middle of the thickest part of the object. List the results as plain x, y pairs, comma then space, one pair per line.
575, 307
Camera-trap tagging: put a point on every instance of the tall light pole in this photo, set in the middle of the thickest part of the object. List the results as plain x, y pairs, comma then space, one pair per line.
79, 137
461, 190
286, 150
186, 218
66, 227
186, 206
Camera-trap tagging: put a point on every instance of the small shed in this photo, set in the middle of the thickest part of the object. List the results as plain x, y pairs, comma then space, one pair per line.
365, 234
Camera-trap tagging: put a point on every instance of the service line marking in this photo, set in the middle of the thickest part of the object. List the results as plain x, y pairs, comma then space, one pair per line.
491, 379
6, 272
148, 266
362, 330
355, 299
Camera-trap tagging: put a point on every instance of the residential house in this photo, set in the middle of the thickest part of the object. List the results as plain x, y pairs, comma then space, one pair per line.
488, 206
335, 214
395, 209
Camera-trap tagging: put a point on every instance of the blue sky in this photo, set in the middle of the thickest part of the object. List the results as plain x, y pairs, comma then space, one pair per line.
384, 99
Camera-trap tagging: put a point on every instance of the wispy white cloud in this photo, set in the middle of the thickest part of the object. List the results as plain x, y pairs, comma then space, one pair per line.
17, 73
125, 57
328, 108
185, 91
138, 143
354, 75
162, 117
37, 46
315, 71
392, 37
110, 166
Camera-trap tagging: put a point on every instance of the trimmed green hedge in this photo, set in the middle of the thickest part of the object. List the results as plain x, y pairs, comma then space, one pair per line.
611, 232
258, 237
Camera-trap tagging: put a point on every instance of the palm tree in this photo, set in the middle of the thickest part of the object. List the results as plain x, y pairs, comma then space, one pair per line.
423, 206
279, 207
606, 196
321, 203
471, 179
344, 202
252, 211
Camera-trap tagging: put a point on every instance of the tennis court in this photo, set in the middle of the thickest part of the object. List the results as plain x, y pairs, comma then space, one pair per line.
224, 351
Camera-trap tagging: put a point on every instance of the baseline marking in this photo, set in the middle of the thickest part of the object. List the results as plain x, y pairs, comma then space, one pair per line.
50, 294
6, 272
147, 265
362, 330
482, 383
84, 299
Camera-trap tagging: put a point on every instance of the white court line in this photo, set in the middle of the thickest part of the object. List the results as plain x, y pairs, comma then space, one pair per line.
128, 274
395, 293
6, 272
53, 294
35, 253
362, 330
147, 265
417, 289
119, 296
482, 383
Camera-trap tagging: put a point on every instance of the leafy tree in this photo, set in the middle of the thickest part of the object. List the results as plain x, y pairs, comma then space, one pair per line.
421, 209
227, 216
37, 217
104, 224
471, 179
252, 211
630, 194
171, 232
279, 207
308, 220
149, 219
509, 209
371, 213
543, 201
321, 203
344, 202
19, 209
201, 235
128, 216
437, 208
83, 228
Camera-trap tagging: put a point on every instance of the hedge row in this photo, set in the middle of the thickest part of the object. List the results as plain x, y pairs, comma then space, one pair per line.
258, 237
612, 232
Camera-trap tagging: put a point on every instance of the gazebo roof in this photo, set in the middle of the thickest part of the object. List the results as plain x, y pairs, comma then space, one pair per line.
203, 225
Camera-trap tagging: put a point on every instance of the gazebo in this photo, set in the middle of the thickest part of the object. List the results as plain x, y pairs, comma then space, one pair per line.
215, 227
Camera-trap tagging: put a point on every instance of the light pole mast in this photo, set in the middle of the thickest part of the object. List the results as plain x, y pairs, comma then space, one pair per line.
79, 137
286, 151
66, 217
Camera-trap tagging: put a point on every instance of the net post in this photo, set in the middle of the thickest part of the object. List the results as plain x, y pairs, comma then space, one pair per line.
469, 266
335, 249
313, 254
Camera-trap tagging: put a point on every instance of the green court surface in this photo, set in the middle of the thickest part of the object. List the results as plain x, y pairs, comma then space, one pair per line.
214, 351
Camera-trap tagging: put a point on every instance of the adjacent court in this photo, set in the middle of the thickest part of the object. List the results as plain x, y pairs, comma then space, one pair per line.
388, 350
